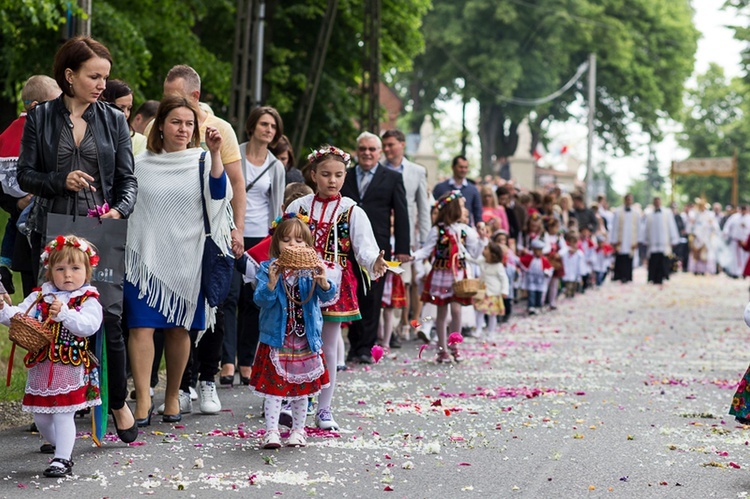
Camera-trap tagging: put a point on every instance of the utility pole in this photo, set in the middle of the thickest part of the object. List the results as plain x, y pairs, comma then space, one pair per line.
313, 78
590, 144
79, 25
464, 131
371, 68
247, 62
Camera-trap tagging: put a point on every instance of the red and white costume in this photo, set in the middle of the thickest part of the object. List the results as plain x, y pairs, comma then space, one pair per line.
62, 377
535, 272
343, 235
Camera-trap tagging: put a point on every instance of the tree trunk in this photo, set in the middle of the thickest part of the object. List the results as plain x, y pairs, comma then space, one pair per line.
495, 141
488, 130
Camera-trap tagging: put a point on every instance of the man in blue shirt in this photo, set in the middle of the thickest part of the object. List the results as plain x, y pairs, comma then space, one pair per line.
459, 182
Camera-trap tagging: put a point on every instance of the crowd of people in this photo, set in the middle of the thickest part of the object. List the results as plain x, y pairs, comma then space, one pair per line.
392, 257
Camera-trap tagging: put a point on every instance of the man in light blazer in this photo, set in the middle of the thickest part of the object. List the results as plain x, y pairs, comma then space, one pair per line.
418, 202
379, 191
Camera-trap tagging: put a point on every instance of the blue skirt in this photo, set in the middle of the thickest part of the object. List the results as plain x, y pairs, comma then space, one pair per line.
139, 314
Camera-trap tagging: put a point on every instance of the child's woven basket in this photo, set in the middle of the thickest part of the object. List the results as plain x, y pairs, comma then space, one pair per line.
29, 333
298, 258
466, 287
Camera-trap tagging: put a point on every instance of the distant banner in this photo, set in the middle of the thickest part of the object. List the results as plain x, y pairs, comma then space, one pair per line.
721, 167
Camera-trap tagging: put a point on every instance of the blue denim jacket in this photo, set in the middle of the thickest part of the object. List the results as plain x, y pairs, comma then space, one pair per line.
274, 309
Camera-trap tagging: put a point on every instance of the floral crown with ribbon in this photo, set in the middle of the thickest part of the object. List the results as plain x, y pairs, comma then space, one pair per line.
442, 202
286, 216
60, 242
328, 151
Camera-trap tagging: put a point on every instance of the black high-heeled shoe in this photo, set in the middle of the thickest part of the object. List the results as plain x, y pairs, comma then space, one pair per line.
59, 471
171, 418
127, 435
245, 380
226, 380
140, 423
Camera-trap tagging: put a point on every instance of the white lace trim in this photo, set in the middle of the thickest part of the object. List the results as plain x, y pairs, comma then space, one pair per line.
61, 409
297, 378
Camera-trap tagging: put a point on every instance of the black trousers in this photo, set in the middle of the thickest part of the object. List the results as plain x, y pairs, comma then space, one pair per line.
623, 268
657, 268
364, 333
248, 319
205, 357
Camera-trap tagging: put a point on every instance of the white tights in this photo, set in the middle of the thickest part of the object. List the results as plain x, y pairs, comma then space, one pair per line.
59, 430
440, 322
272, 409
331, 337
491, 324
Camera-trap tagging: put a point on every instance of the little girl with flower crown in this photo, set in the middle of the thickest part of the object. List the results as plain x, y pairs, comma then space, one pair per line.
63, 377
343, 237
447, 244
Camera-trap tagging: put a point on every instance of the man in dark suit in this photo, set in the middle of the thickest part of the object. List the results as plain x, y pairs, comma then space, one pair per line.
379, 191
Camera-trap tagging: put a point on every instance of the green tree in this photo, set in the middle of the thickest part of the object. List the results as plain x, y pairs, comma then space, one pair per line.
715, 125
516, 48
291, 43
147, 37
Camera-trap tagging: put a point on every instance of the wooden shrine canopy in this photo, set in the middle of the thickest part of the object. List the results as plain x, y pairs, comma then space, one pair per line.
703, 167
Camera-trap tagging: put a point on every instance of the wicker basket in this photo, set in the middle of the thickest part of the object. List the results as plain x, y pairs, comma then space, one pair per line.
466, 287
29, 333
298, 258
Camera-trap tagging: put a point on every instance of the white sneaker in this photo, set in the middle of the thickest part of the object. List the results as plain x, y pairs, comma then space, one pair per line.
186, 405
296, 439
193, 394
271, 440
324, 419
210, 403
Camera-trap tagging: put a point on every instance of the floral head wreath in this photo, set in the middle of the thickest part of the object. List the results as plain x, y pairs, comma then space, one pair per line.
286, 216
327, 151
61, 241
442, 202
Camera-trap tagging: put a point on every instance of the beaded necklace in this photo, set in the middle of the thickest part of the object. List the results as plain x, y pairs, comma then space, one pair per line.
321, 228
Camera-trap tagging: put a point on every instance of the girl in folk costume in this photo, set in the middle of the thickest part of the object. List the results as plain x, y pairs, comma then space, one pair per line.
510, 262
602, 258
572, 259
536, 271
63, 377
343, 237
556, 243
447, 244
533, 230
289, 364
496, 288
394, 298
740, 407
587, 244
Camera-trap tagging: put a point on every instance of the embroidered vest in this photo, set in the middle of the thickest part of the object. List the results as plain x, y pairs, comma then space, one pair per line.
326, 244
67, 348
444, 250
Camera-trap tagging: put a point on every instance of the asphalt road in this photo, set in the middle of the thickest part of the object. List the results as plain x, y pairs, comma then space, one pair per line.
622, 392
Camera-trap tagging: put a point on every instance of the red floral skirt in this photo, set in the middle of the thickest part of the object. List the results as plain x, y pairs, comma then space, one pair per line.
394, 291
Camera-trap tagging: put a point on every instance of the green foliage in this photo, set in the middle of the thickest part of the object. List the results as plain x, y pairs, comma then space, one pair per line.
29, 35
293, 32
715, 125
518, 48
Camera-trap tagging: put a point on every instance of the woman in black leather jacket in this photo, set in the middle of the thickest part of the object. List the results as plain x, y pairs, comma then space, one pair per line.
73, 143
